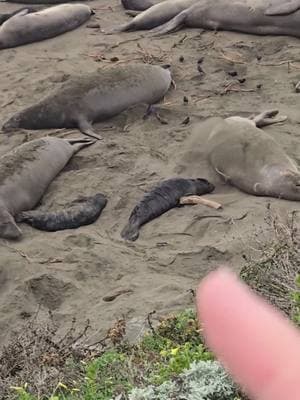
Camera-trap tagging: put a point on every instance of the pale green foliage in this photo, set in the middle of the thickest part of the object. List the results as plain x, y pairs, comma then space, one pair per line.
204, 380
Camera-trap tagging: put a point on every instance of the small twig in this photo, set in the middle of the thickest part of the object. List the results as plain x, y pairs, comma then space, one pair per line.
21, 253
150, 323
200, 200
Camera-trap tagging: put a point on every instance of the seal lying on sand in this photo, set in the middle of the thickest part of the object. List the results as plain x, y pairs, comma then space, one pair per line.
82, 211
250, 159
5, 17
154, 16
235, 15
94, 97
25, 174
25, 27
161, 199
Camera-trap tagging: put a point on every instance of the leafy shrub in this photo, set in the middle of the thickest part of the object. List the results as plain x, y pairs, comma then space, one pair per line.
204, 380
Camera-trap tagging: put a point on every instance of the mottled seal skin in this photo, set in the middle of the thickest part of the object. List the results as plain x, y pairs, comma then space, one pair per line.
161, 199
250, 159
94, 97
25, 174
137, 5
236, 15
25, 27
82, 211
5, 17
154, 16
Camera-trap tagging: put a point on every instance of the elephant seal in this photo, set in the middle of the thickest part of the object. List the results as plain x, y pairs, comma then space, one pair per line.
138, 5
161, 199
154, 16
25, 27
82, 211
235, 15
25, 174
250, 159
94, 97
5, 17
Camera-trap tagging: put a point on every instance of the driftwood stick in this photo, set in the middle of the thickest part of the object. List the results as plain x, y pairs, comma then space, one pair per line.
199, 200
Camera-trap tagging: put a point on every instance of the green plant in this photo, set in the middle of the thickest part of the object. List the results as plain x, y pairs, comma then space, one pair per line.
202, 381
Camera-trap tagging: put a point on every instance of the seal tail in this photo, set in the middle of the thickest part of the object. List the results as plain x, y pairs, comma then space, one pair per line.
130, 232
79, 144
171, 26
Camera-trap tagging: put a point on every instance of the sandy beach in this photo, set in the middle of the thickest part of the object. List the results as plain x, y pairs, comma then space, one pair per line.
70, 272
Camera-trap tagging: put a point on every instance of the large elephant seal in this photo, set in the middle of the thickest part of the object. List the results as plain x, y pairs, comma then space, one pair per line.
160, 199
94, 97
84, 210
154, 16
25, 27
236, 15
250, 159
25, 174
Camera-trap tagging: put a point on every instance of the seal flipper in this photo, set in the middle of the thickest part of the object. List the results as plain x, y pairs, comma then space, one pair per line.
171, 26
8, 226
130, 232
267, 118
283, 9
85, 127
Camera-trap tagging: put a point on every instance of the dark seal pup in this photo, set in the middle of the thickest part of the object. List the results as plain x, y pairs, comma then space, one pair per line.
235, 15
25, 174
94, 97
28, 27
82, 211
154, 16
250, 159
161, 199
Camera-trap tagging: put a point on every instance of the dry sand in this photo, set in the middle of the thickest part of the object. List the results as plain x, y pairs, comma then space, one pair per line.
69, 272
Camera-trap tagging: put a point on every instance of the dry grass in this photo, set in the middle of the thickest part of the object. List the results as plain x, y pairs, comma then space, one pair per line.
273, 273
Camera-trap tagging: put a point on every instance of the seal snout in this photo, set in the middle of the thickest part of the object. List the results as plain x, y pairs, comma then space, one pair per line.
166, 66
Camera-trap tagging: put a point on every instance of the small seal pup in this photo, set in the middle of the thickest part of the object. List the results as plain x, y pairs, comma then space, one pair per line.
95, 97
85, 210
28, 27
250, 16
25, 174
154, 16
250, 159
160, 199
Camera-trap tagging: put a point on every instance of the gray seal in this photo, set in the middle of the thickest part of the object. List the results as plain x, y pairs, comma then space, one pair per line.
250, 159
160, 199
154, 16
25, 174
95, 97
258, 17
85, 210
28, 27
